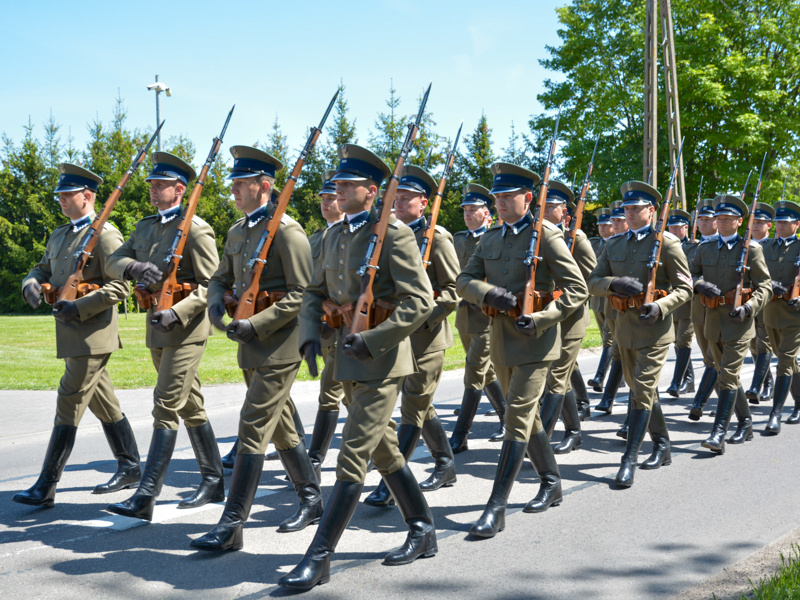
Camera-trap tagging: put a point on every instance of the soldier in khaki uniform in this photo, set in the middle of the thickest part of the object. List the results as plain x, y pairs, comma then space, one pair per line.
86, 335
643, 331
176, 337
598, 303
728, 330
523, 348
371, 364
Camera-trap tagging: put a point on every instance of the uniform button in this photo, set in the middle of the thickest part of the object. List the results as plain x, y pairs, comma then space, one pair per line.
508, 258
341, 261
505, 272
342, 246
634, 250
631, 262
248, 240
328, 266
158, 240
339, 292
509, 245
341, 276
62, 272
245, 254
383, 349
244, 269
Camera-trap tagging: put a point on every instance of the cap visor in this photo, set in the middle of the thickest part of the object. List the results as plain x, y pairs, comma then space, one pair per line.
504, 189
69, 188
344, 176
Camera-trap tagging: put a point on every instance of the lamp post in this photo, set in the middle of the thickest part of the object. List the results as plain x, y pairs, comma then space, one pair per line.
159, 86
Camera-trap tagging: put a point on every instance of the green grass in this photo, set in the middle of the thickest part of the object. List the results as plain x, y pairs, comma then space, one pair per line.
783, 585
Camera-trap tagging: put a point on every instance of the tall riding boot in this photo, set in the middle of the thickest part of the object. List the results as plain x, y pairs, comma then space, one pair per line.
469, 406
744, 429
640, 417
206, 451
683, 356
704, 390
544, 462
550, 409
581, 395
794, 418
687, 385
227, 533
716, 442
768, 388
298, 423
602, 367
321, 438
301, 473
43, 492
407, 438
662, 455
612, 386
421, 540
493, 519
444, 472
572, 425
622, 432
494, 393
123, 445
230, 457
759, 373
782, 385
143, 501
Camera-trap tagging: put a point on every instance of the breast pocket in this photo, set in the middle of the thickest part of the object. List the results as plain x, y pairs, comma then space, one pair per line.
145, 250
235, 252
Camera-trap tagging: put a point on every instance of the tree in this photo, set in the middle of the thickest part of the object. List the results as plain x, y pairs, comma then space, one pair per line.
390, 132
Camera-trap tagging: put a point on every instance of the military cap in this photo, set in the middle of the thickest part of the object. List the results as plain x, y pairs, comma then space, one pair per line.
251, 162
359, 164
705, 208
678, 217
415, 179
639, 193
558, 193
73, 178
510, 178
328, 186
617, 212
786, 210
726, 204
764, 212
477, 195
603, 216
169, 167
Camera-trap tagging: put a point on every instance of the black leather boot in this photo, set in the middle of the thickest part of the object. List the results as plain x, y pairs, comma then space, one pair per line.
544, 462
640, 417
704, 390
581, 395
759, 373
687, 385
602, 367
315, 568
550, 409
43, 492
444, 472
493, 519
794, 418
143, 501
662, 455
301, 473
206, 451
572, 425
716, 442
230, 457
622, 432
782, 385
744, 429
612, 386
123, 445
227, 534
407, 438
683, 356
421, 540
298, 423
769, 386
321, 438
494, 393
469, 406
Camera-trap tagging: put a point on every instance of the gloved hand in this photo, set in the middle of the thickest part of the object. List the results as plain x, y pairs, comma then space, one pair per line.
241, 331
164, 320
353, 346
500, 298
707, 289
794, 304
143, 272
215, 314
778, 289
525, 325
327, 331
310, 351
650, 313
626, 286
65, 311
738, 315
33, 294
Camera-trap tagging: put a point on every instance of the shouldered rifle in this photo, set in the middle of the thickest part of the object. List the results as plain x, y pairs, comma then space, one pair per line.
783, 195
577, 218
430, 228
742, 267
363, 310
247, 302
696, 209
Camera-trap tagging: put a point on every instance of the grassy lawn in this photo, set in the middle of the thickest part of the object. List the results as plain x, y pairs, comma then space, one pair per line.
784, 585
27, 355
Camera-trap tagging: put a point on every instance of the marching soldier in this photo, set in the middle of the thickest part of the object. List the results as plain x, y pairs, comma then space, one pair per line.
371, 365
524, 348
597, 303
729, 330
643, 331
86, 335
176, 337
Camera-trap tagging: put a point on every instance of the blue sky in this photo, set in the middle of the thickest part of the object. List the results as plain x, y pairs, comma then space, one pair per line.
271, 58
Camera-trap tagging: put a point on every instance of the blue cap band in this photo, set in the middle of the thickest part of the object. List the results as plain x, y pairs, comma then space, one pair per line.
727, 208
557, 197
69, 182
414, 184
604, 220
250, 167
167, 171
358, 169
474, 198
508, 182
762, 214
638, 198
706, 211
787, 214
677, 220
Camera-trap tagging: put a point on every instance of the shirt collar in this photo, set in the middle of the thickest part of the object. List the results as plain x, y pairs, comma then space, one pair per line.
478, 232
640, 234
331, 224
729, 241
169, 214
519, 225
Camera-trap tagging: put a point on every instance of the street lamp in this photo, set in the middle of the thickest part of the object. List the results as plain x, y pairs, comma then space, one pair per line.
159, 87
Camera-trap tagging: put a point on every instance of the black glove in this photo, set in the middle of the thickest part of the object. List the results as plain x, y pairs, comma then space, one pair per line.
707, 289
143, 272
241, 331
525, 325
164, 320
650, 313
778, 289
65, 311
626, 286
215, 314
310, 351
500, 298
794, 304
353, 346
738, 315
327, 331
33, 294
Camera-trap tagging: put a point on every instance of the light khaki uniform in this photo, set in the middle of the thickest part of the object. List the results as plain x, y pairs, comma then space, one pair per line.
699, 318
598, 303
783, 324
682, 317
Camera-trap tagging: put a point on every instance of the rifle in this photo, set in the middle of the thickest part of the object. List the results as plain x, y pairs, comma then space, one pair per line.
748, 235
783, 195
369, 269
696, 208
74, 285
246, 306
430, 228
577, 219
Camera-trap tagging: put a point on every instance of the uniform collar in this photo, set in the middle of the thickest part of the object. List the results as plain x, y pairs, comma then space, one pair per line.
82, 223
169, 214
640, 234
782, 241
519, 225
728, 242
417, 225
478, 232
258, 215
709, 238
353, 223
334, 223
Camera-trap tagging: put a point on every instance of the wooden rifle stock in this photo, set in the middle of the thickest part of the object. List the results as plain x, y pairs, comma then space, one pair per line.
696, 210
742, 267
577, 218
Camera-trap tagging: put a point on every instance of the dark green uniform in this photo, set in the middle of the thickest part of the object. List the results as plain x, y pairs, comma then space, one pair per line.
598, 303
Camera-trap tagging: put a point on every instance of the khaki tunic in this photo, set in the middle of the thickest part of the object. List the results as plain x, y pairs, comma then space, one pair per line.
682, 317
783, 324
598, 303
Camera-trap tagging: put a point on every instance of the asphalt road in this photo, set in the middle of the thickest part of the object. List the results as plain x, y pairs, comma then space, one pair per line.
677, 527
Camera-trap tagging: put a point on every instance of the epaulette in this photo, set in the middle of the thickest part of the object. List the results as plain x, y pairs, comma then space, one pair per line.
155, 216
108, 225
65, 225
671, 237
461, 233
548, 225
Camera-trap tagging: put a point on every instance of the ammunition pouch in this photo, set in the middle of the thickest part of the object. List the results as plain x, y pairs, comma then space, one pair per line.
147, 299
540, 300
623, 303
726, 299
264, 300
337, 316
50, 292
